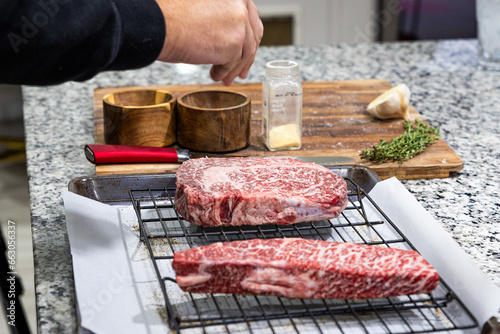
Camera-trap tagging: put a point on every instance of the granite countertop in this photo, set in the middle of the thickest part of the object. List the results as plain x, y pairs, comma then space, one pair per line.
448, 88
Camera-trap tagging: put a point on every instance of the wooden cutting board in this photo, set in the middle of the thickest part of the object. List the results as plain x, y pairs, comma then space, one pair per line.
335, 122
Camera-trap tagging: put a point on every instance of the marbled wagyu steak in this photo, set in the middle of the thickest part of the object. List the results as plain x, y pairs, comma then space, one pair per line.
302, 268
256, 191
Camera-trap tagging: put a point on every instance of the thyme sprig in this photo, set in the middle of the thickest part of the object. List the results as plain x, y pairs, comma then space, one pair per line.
413, 141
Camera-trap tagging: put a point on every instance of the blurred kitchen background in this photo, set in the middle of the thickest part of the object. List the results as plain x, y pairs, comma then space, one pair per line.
303, 22
311, 22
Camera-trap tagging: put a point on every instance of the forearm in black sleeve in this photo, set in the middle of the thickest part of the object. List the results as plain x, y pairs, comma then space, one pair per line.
44, 42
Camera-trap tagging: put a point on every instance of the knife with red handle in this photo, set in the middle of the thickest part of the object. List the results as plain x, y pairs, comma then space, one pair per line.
110, 154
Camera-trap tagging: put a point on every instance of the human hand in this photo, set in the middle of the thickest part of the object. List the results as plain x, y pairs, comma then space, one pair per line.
224, 33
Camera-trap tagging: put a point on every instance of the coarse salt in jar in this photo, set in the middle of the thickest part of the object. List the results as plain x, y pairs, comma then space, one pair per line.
282, 106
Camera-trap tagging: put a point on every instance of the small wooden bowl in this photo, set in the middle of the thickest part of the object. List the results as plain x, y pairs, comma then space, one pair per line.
213, 121
144, 117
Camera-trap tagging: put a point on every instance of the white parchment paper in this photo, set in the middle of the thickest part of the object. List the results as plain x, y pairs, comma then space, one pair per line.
479, 293
117, 290
115, 283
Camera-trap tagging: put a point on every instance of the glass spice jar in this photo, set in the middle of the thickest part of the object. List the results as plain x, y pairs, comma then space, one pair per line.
282, 106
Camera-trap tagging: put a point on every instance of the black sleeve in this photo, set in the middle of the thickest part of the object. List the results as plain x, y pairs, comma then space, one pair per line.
45, 42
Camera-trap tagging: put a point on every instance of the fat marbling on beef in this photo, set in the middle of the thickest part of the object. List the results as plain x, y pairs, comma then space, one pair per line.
255, 191
303, 268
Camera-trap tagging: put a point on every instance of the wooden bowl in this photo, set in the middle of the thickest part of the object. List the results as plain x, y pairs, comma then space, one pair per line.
213, 121
143, 117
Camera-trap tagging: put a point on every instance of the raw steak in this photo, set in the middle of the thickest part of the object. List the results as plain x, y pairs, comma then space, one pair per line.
255, 191
302, 268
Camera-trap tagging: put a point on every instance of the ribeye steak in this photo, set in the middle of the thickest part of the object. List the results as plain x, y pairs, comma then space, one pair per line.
303, 268
255, 191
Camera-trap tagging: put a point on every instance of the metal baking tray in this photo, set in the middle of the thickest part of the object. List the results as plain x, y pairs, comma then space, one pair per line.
164, 232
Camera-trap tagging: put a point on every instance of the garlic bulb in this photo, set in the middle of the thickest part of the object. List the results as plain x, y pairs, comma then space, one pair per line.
393, 103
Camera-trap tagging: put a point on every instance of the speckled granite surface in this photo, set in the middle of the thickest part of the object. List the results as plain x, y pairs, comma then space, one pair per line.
449, 89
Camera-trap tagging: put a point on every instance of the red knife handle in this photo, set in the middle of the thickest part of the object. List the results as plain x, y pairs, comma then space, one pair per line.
109, 154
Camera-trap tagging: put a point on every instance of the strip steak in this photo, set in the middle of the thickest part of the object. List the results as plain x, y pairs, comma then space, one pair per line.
303, 268
255, 191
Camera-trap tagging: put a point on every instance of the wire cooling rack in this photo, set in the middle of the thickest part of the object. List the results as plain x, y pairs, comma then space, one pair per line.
164, 232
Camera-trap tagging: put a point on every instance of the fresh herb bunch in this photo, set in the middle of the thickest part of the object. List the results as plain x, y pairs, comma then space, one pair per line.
413, 141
